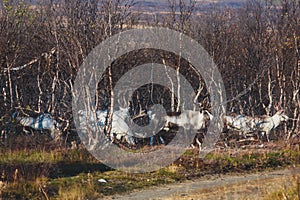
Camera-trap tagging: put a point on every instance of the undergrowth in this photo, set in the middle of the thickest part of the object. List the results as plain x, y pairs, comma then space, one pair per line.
74, 174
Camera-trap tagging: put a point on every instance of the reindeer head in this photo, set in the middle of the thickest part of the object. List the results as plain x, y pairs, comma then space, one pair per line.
280, 112
57, 125
277, 107
207, 115
125, 109
283, 116
151, 115
14, 115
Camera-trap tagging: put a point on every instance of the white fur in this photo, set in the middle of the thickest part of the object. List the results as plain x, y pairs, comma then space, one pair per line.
247, 124
119, 126
190, 119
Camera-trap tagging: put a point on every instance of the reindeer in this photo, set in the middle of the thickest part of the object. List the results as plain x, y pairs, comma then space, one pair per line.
124, 114
43, 122
242, 123
156, 123
189, 119
246, 124
268, 123
119, 126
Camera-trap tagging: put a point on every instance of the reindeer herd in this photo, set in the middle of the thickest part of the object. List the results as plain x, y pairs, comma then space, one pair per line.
261, 124
188, 119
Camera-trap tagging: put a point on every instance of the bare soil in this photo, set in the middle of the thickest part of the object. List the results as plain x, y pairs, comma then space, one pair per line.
239, 186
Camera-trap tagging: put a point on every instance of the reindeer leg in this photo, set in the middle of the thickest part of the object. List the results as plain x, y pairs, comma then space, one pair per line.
259, 136
112, 138
161, 140
151, 140
244, 135
199, 143
226, 138
267, 136
130, 140
264, 136
56, 135
27, 132
166, 127
2, 133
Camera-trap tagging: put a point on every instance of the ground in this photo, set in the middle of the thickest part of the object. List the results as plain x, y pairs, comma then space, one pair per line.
254, 171
246, 186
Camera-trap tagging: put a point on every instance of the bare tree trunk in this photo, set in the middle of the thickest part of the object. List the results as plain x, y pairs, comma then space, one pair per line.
280, 77
5, 94
172, 86
270, 96
10, 87
53, 94
111, 89
111, 107
17, 96
178, 78
295, 79
40, 89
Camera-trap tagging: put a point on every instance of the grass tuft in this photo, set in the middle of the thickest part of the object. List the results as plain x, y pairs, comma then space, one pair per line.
74, 174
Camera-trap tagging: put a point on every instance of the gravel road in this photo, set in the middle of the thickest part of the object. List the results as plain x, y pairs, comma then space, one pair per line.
245, 186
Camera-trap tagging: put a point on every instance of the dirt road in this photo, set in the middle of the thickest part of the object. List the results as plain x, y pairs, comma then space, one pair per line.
246, 186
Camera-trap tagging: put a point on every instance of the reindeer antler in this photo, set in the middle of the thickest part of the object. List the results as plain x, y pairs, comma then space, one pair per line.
278, 106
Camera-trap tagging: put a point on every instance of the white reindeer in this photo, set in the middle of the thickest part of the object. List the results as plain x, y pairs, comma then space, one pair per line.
152, 117
268, 123
118, 127
43, 122
242, 123
190, 119
124, 114
264, 124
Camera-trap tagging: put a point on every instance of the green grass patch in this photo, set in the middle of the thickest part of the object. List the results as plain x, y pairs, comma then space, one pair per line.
42, 156
224, 162
74, 174
30, 156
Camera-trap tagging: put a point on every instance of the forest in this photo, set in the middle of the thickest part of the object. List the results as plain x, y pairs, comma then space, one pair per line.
255, 45
256, 49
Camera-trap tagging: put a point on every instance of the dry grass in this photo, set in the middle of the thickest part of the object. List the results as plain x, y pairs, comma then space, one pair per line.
264, 189
288, 189
74, 174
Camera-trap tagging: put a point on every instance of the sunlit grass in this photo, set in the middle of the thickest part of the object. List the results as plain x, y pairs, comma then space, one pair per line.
289, 190
76, 175
43, 156
30, 156
248, 160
